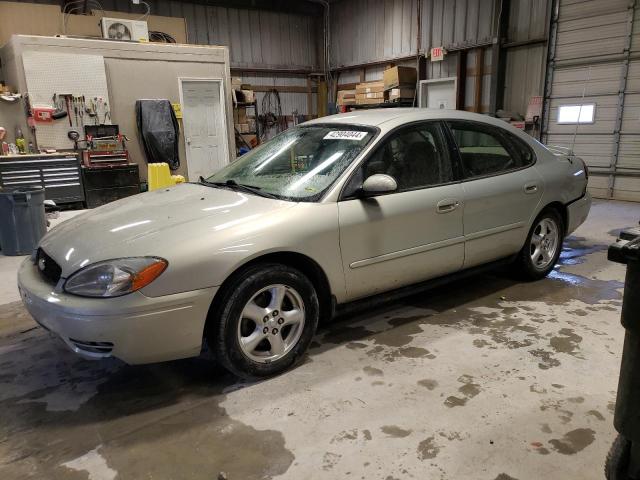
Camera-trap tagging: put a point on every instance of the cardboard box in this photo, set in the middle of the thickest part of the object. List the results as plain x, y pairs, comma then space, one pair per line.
346, 97
370, 87
244, 96
250, 139
240, 115
369, 101
398, 94
378, 95
242, 127
396, 76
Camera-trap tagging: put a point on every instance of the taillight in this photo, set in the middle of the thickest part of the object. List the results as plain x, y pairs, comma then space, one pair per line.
586, 176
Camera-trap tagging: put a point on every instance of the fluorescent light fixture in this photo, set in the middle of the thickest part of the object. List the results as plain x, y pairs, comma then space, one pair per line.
585, 113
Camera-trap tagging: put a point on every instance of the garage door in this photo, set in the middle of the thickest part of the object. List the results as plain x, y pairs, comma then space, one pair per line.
593, 91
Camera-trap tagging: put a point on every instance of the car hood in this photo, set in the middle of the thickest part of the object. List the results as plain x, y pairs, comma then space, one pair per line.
151, 223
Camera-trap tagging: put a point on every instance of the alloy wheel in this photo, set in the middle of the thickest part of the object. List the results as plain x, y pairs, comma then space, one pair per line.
544, 244
271, 323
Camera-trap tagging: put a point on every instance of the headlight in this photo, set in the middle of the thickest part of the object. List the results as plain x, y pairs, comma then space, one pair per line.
114, 278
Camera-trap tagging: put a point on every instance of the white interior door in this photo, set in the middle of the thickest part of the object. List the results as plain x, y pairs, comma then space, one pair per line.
205, 126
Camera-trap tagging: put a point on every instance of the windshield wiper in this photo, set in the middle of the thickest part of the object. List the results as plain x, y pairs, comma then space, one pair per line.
239, 186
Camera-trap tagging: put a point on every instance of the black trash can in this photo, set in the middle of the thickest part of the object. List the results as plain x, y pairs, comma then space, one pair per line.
22, 220
623, 460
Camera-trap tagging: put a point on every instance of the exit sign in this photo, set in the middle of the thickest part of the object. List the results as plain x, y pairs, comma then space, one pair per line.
437, 54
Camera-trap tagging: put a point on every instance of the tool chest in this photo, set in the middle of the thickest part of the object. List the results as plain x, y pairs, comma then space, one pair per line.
59, 174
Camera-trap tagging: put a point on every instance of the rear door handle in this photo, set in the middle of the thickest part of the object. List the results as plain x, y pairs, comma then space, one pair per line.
531, 188
447, 205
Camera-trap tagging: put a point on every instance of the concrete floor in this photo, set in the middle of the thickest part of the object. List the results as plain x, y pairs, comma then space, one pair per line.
482, 379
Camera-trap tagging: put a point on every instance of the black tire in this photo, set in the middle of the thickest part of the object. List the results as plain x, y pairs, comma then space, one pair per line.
223, 325
524, 268
617, 463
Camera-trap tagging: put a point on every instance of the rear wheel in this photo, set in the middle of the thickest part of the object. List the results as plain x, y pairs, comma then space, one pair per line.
542, 247
265, 322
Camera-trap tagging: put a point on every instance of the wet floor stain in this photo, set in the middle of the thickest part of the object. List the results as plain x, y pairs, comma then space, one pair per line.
166, 408
372, 371
451, 436
329, 460
596, 414
574, 441
395, 431
428, 383
428, 449
575, 250
567, 341
468, 389
345, 435
546, 360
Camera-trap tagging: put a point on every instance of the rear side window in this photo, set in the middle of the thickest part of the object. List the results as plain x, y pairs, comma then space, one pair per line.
486, 151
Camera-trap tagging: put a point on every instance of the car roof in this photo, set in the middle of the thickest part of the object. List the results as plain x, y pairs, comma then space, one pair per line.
388, 118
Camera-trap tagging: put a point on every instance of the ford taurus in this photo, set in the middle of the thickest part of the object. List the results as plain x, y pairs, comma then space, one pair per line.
334, 210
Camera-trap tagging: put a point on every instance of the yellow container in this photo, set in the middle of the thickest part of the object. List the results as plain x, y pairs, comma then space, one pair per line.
159, 176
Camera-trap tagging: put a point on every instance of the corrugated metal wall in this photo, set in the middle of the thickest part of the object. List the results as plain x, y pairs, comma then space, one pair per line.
526, 64
598, 51
387, 30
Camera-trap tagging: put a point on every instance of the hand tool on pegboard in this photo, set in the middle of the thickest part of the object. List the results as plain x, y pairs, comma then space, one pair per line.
31, 122
67, 99
59, 108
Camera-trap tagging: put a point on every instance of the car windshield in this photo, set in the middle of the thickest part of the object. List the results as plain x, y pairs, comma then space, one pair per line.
299, 164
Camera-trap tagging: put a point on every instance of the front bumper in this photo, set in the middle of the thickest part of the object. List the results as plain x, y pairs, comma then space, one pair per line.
134, 328
577, 212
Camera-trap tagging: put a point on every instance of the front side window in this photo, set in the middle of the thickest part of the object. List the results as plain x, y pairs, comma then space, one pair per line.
416, 157
486, 151
299, 164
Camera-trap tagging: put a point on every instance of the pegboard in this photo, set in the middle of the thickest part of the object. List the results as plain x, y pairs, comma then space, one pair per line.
51, 72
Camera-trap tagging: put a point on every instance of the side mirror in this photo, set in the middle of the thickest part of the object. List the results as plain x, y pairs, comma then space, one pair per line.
379, 183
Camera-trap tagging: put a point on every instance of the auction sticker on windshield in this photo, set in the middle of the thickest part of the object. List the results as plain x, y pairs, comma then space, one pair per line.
345, 135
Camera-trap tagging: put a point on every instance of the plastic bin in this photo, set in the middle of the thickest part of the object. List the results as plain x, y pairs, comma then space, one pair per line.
623, 460
22, 220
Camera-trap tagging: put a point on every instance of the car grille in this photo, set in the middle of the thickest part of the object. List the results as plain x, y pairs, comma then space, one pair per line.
48, 267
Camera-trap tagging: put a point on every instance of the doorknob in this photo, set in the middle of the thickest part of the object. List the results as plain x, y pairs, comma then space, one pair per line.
447, 205
530, 188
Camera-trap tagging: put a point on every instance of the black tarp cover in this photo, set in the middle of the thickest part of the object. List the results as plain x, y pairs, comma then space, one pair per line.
159, 131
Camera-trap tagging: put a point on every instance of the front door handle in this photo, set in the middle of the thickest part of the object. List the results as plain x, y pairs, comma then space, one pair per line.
447, 205
531, 188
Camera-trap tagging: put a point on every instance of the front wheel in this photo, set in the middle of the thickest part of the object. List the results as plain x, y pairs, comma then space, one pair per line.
266, 320
542, 247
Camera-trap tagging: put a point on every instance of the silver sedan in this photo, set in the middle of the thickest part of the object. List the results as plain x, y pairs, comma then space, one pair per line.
330, 212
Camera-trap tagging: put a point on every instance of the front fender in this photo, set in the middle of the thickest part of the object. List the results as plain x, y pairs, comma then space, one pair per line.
208, 258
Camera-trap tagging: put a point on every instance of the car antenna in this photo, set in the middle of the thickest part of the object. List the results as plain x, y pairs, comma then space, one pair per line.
584, 91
